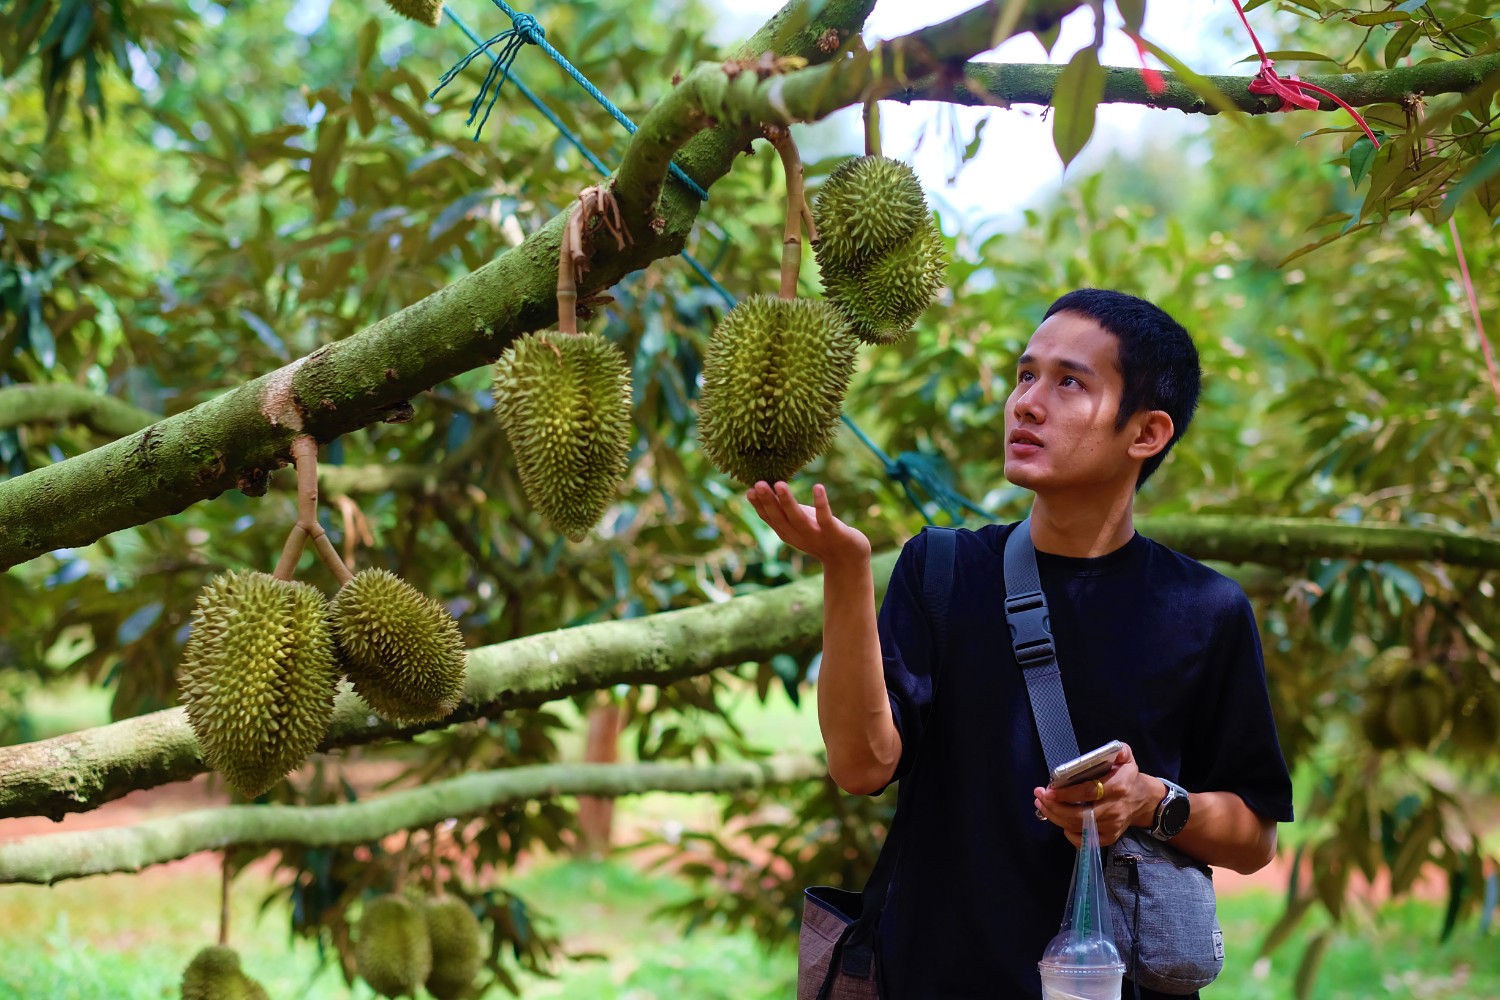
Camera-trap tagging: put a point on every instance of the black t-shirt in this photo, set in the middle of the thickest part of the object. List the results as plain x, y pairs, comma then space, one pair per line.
1155, 649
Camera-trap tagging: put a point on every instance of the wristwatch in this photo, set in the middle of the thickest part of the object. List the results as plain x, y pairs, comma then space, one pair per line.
1171, 812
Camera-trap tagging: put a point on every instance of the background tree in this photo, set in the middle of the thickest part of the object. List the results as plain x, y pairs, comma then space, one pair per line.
262, 201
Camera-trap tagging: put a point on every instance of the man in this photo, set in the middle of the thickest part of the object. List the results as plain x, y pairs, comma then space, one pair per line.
1156, 650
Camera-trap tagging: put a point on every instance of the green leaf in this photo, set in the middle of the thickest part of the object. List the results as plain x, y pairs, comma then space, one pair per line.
369, 35
1075, 101
1134, 14
1361, 156
1289, 55
972, 149
1380, 17
1202, 87
1487, 167
79, 31
1312, 958
1400, 44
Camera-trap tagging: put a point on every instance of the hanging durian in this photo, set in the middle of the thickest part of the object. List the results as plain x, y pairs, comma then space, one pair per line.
564, 401
391, 949
774, 379
884, 300
402, 650
1420, 701
428, 12
215, 974
457, 946
258, 677
1476, 715
867, 207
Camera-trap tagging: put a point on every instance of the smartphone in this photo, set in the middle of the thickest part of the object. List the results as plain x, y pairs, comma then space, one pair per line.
1094, 764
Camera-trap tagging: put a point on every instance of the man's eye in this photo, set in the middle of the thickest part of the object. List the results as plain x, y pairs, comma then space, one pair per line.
1070, 378
1024, 377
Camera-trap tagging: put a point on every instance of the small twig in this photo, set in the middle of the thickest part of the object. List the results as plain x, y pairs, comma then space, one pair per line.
872, 126
796, 209
296, 540
356, 527
435, 884
226, 875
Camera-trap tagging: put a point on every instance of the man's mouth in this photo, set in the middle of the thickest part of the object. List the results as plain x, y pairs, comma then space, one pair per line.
1025, 438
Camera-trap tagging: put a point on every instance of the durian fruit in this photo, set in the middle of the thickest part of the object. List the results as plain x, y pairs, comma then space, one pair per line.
774, 379
564, 401
457, 946
883, 300
1476, 716
391, 949
866, 208
428, 12
401, 649
215, 974
258, 677
1420, 701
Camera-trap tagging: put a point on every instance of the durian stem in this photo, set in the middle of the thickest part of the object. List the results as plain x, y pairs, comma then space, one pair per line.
872, 126
305, 454
567, 285
796, 209
296, 540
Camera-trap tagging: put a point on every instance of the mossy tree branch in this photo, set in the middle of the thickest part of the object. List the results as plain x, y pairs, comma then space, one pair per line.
63, 402
235, 440
80, 771
1004, 84
44, 860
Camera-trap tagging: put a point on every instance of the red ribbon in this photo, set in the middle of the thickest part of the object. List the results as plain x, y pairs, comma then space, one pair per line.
1290, 89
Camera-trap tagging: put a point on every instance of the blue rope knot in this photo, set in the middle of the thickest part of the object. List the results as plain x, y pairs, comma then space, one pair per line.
527, 27
523, 30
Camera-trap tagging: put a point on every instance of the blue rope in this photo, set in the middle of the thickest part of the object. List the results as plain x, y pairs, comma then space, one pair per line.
526, 29
909, 468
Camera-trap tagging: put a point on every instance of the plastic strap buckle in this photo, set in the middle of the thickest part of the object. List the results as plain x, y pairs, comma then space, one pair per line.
1030, 628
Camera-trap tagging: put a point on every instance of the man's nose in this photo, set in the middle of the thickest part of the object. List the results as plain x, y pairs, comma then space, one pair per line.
1028, 404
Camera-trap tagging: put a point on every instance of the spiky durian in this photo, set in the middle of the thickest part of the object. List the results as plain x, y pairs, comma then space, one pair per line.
401, 649
1419, 705
884, 299
457, 946
391, 949
774, 379
1476, 717
258, 677
564, 401
866, 207
428, 12
215, 974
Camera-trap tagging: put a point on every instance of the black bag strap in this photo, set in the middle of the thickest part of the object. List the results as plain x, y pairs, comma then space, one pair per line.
1031, 638
859, 945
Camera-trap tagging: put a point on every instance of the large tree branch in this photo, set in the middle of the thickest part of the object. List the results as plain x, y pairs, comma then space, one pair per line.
79, 771
51, 858
236, 439
67, 403
1003, 84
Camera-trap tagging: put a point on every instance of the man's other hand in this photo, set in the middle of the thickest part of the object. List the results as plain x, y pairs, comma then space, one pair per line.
813, 530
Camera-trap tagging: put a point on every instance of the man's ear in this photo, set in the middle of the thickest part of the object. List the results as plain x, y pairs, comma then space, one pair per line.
1152, 432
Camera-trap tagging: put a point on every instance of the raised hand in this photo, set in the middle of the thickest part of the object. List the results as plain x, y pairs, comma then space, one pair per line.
813, 530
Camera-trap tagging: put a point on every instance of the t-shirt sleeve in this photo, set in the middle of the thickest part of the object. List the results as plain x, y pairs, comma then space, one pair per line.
1234, 747
906, 649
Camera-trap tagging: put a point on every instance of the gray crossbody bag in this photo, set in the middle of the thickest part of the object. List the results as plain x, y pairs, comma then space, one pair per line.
1161, 901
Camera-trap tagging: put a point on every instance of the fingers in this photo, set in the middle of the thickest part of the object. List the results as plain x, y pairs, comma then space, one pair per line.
823, 512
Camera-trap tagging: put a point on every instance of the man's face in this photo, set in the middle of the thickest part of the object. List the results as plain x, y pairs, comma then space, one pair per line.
1060, 418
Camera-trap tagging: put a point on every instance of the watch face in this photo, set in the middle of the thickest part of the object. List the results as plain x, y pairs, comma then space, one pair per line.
1174, 816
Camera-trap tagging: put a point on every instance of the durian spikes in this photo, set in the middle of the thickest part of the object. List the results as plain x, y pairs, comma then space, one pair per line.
215, 974
457, 942
391, 948
883, 301
402, 650
428, 12
258, 677
867, 207
774, 379
564, 398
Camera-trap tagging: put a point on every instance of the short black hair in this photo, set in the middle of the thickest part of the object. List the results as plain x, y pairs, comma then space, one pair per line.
1157, 359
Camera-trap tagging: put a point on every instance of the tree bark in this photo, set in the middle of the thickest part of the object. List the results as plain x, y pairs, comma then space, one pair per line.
1004, 84
50, 858
63, 402
237, 439
80, 771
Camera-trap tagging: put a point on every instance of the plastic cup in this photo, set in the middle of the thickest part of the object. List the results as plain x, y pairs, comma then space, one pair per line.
1081, 982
